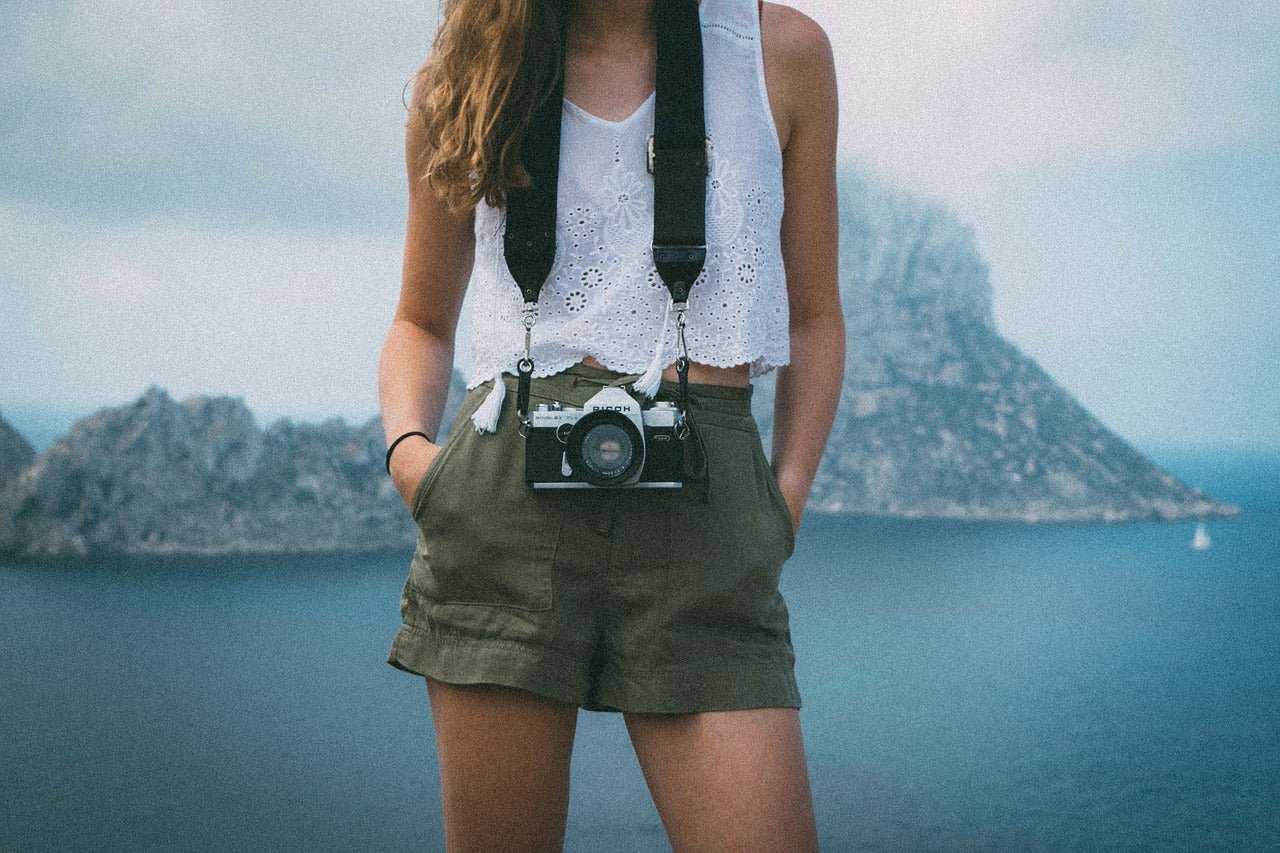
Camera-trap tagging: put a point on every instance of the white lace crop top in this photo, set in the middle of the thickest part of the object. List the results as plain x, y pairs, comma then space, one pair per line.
604, 296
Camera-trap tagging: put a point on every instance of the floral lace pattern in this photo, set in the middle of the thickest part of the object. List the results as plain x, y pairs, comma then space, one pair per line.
604, 297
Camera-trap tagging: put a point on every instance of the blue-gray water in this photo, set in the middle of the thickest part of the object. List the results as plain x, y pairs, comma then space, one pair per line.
965, 686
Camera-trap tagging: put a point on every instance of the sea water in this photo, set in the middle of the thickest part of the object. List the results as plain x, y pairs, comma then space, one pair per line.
966, 686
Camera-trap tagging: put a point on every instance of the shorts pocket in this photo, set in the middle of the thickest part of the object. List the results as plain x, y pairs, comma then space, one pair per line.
422, 490
777, 497
725, 556
428, 477
486, 537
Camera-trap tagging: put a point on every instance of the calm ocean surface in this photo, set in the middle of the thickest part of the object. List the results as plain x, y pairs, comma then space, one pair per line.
965, 687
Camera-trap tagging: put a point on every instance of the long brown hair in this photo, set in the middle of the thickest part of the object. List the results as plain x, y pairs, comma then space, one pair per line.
492, 64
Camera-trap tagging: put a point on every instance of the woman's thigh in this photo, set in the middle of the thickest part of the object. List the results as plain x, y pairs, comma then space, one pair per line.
728, 780
504, 766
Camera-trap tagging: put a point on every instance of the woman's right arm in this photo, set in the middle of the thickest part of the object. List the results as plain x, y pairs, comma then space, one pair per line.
416, 366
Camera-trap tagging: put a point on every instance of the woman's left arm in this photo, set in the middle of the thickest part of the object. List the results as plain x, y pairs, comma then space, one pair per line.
808, 388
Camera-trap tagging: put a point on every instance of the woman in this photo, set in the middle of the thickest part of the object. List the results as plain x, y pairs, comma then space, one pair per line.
524, 605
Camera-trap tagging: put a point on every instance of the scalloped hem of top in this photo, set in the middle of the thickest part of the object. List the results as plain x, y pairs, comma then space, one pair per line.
760, 365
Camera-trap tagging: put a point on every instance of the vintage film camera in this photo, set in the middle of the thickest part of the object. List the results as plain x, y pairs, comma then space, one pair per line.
609, 441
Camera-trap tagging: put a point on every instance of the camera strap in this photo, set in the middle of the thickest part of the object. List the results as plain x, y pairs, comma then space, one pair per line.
677, 157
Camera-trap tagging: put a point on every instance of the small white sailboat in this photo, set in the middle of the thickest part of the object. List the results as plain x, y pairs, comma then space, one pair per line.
1201, 539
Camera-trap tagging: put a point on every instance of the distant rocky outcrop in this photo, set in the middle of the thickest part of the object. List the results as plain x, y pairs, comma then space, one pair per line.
939, 417
942, 417
200, 476
16, 454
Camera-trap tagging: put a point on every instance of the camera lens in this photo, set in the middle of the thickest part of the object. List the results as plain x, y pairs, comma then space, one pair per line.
607, 450
605, 447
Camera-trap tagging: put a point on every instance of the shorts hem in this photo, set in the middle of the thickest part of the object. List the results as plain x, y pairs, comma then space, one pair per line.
418, 651
724, 685
692, 688
715, 687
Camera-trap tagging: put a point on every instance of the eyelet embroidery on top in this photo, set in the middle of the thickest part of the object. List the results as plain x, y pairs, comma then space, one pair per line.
604, 297
624, 199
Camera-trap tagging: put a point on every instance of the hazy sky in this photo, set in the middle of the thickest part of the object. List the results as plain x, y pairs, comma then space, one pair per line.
209, 196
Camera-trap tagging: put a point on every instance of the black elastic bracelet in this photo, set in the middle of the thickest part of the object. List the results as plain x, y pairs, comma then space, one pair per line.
398, 440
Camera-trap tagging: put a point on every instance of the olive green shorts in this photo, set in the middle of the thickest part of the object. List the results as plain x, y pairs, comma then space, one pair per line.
615, 599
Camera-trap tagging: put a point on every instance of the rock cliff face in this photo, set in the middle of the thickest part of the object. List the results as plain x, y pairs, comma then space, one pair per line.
16, 453
939, 416
200, 476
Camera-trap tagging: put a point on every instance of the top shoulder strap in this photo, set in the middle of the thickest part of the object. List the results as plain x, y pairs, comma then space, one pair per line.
678, 150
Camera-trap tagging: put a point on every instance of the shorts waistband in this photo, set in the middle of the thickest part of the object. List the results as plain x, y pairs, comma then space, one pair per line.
730, 399
705, 389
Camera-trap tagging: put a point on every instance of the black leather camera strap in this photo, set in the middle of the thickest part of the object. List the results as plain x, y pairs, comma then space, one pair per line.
677, 157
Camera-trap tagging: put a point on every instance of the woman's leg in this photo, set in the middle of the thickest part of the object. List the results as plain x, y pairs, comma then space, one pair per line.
728, 780
504, 766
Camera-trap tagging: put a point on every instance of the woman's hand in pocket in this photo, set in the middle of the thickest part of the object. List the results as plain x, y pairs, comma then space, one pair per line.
409, 464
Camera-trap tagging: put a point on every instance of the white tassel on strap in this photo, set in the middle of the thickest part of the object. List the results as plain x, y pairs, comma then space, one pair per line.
486, 414
651, 379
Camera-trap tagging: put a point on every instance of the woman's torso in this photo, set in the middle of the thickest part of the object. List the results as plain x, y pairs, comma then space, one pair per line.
604, 296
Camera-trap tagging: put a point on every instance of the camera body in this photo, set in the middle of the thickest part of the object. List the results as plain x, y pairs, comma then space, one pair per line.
609, 442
